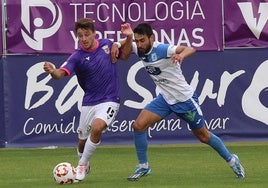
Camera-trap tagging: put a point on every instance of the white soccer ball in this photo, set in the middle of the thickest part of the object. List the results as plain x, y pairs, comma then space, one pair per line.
64, 173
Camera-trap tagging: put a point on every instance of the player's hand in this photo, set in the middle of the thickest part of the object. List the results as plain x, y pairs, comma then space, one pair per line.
114, 52
177, 58
126, 29
49, 67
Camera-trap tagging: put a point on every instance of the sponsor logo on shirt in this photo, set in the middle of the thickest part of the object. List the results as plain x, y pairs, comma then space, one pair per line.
153, 70
106, 49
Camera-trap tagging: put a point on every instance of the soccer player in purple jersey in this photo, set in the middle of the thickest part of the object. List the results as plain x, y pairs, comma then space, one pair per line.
97, 75
163, 64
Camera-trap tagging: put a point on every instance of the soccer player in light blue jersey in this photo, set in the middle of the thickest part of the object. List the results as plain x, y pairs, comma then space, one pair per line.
163, 64
97, 76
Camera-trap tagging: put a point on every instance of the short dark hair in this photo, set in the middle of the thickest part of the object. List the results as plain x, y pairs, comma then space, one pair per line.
143, 29
84, 23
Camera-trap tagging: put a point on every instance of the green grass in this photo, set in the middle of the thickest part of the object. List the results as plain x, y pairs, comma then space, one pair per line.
185, 166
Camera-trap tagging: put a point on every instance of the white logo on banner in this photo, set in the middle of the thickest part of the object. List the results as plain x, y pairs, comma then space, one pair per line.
256, 25
251, 103
34, 39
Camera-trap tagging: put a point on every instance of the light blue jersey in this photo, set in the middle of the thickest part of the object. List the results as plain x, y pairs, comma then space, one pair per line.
175, 94
167, 75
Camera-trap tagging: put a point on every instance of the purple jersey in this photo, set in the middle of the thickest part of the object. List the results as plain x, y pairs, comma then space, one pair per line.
96, 74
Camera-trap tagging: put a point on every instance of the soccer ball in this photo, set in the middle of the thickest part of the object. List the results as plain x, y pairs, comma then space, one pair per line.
64, 173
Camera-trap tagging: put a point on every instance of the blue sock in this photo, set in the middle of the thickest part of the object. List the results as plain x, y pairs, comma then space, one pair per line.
141, 144
217, 144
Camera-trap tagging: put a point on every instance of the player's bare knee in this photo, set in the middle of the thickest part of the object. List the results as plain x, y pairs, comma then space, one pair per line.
96, 130
138, 127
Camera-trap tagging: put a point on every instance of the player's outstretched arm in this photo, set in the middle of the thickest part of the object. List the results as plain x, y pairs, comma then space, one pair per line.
125, 44
181, 53
53, 71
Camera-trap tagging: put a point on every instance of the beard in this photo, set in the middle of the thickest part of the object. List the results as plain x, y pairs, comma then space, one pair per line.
143, 51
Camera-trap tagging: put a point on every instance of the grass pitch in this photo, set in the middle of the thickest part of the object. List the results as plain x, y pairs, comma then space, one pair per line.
185, 166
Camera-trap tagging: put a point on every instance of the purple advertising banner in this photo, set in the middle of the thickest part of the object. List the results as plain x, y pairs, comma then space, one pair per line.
1, 29
246, 23
2, 117
232, 86
47, 26
2, 124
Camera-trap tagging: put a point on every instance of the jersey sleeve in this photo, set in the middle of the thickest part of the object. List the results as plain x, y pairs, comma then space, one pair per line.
162, 49
171, 50
134, 48
108, 42
70, 64
62, 67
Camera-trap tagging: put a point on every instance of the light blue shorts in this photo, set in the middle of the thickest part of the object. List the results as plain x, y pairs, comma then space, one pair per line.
189, 110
